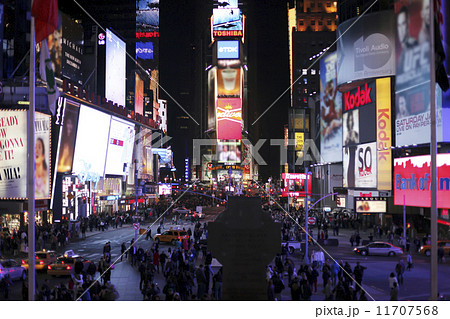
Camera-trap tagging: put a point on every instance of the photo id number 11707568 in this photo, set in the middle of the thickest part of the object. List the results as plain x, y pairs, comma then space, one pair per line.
407, 310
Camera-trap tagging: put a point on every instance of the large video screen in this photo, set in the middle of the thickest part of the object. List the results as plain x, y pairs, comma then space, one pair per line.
360, 166
228, 49
229, 82
229, 152
227, 19
115, 86
42, 133
330, 111
366, 47
229, 119
67, 138
412, 179
91, 143
370, 205
120, 147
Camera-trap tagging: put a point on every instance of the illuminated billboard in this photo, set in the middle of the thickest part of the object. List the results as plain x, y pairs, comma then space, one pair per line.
165, 189
227, 19
412, 82
138, 95
229, 82
228, 49
229, 118
412, 179
384, 135
67, 137
370, 205
294, 184
360, 166
91, 143
366, 47
299, 141
229, 152
330, 111
13, 154
115, 73
120, 147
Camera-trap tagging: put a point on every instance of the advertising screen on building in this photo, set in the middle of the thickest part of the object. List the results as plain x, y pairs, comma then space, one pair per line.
370, 205
229, 152
72, 49
299, 141
445, 31
115, 86
228, 49
165, 155
165, 189
340, 201
42, 133
330, 111
229, 118
412, 124
67, 137
294, 184
227, 19
120, 147
366, 47
13, 154
384, 135
229, 82
139, 95
412, 179
91, 143
360, 166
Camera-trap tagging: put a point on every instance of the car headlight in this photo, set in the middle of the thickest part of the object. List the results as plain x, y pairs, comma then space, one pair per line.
421, 247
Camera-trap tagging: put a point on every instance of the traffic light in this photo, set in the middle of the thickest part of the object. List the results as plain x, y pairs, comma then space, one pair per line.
84, 199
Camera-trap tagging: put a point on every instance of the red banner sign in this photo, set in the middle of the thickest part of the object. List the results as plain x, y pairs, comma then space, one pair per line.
229, 119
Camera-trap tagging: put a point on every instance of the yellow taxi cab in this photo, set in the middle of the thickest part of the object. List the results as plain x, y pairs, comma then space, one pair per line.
43, 259
64, 265
171, 236
445, 244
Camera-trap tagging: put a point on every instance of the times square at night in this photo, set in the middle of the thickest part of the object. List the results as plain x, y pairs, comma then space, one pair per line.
225, 151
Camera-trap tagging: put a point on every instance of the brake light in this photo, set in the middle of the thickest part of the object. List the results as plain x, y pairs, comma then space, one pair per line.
49, 267
68, 267
41, 262
23, 262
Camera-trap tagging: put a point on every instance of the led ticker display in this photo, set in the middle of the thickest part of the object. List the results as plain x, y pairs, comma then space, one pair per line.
412, 179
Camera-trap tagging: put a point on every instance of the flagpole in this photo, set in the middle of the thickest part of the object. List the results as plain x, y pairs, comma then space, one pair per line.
30, 166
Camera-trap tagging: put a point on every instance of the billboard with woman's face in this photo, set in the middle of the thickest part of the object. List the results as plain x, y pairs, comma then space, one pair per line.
42, 130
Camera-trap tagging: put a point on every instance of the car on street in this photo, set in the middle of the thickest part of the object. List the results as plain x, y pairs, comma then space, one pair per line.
43, 258
13, 269
378, 248
445, 244
181, 210
171, 236
194, 215
64, 265
293, 246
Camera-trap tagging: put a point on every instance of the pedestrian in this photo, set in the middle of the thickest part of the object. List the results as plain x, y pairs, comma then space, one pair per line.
149, 233
352, 239
358, 271
392, 280
394, 292
400, 269
409, 262
123, 250
328, 290
217, 284
201, 281
5, 283
440, 253
270, 290
357, 239
279, 286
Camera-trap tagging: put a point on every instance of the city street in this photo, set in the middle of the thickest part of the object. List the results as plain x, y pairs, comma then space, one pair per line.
375, 281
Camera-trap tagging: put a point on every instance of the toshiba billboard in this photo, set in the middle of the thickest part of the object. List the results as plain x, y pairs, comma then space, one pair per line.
412, 181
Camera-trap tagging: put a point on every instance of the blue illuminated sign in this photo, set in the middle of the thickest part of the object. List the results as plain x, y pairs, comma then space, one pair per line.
228, 49
144, 50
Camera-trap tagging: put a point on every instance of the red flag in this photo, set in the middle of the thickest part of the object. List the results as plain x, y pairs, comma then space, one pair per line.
45, 13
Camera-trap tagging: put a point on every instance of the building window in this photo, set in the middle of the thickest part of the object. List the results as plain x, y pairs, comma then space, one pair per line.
305, 71
305, 91
320, 22
328, 4
313, 71
328, 22
301, 22
305, 80
313, 4
313, 22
